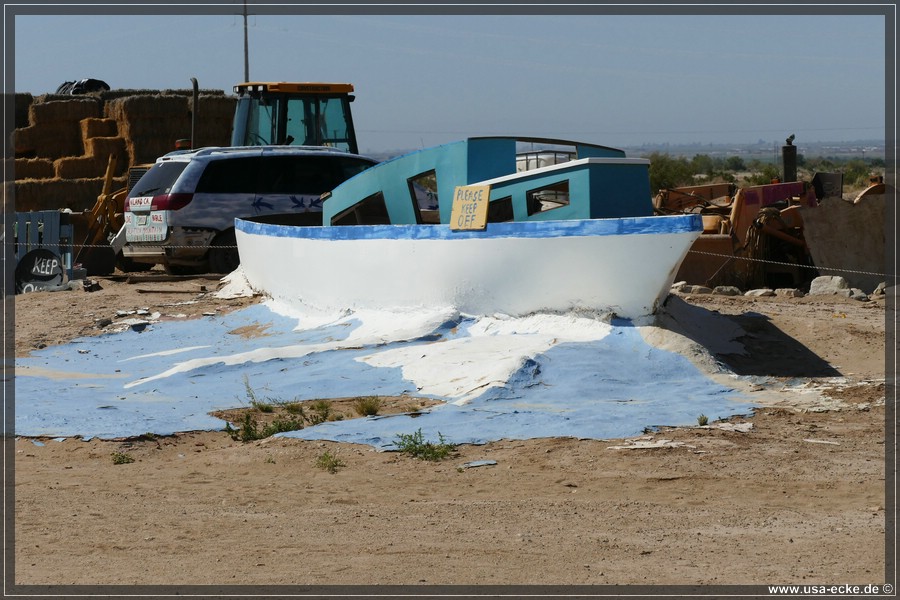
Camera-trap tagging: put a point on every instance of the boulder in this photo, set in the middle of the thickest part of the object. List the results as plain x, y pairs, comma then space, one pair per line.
829, 285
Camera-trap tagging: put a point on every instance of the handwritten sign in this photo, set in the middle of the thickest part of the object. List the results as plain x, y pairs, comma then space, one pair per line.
470, 207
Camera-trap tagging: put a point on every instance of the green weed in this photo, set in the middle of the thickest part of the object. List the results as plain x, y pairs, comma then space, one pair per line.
321, 411
416, 446
329, 462
122, 458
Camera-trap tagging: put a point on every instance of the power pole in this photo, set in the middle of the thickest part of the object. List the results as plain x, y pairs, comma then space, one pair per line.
246, 47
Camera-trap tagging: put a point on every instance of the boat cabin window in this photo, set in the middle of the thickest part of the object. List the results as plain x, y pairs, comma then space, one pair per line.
368, 211
500, 210
555, 195
424, 193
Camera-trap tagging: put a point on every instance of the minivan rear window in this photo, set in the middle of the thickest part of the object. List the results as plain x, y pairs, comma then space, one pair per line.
307, 174
230, 176
158, 180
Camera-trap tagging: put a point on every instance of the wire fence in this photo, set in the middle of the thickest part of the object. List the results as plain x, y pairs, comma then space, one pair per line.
820, 268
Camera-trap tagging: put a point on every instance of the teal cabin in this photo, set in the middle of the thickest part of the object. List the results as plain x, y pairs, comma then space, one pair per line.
581, 181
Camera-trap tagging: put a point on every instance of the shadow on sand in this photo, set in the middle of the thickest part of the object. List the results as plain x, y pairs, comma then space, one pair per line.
748, 344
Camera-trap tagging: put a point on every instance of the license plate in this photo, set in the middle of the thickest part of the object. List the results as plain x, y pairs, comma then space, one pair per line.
148, 233
152, 227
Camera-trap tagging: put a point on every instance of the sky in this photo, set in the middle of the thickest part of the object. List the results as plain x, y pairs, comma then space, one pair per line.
423, 80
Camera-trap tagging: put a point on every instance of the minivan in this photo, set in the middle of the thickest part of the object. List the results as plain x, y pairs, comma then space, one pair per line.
181, 212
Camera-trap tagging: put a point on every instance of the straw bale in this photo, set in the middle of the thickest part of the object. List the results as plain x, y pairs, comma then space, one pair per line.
147, 148
54, 140
80, 167
143, 107
53, 194
33, 168
215, 107
24, 140
103, 147
97, 127
23, 103
63, 110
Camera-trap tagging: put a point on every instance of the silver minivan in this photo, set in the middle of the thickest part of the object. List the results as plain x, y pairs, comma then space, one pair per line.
181, 213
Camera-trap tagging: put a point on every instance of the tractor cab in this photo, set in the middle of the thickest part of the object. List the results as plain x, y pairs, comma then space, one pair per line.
299, 114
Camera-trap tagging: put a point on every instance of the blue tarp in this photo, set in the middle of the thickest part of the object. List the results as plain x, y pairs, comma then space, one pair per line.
168, 376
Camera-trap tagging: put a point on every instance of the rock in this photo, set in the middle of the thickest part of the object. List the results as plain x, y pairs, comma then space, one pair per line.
879, 291
696, 289
760, 292
789, 292
858, 294
726, 290
829, 285
678, 286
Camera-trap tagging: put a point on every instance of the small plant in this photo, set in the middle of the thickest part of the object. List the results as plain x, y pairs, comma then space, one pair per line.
255, 402
329, 462
293, 408
367, 406
321, 410
251, 430
702, 420
122, 458
280, 425
415, 445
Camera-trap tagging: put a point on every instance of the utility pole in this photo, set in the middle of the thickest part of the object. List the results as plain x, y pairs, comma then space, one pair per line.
246, 47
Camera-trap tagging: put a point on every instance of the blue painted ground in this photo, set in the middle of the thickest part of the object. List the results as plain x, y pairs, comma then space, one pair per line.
517, 381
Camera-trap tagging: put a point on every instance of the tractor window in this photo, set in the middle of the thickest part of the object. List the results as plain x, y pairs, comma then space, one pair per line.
333, 123
260, 124
297, 131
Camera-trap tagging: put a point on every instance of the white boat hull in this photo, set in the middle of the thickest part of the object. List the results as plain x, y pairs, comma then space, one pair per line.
625, 266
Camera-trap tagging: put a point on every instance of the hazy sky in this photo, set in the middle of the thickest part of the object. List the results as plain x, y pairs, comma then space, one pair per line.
619, 80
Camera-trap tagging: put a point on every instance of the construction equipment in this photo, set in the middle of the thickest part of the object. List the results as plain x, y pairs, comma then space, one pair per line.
96, 226
307, 114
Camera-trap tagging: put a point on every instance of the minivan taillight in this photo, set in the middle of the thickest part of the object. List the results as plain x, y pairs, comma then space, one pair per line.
171, 201
162, 202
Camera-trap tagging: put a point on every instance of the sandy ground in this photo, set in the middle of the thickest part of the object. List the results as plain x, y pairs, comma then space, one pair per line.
798, 496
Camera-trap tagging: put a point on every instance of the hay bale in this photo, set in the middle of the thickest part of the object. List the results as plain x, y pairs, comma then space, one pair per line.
215, 107
97, 127
49, 140
23, 104
103, 147
33, 168
80, 167
54, 194
63, 110
132, 108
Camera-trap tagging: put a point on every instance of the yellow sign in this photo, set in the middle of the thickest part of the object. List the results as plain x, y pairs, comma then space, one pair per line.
470, 207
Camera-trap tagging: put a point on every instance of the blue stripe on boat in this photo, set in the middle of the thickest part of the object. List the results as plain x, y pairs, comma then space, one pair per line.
520, 229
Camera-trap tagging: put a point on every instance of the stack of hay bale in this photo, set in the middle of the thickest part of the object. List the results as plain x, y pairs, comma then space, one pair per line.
63, 144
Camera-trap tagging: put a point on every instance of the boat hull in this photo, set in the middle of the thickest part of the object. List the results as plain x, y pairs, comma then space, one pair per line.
625, 266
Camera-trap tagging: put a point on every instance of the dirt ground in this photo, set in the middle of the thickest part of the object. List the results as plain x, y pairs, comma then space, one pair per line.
794, 493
